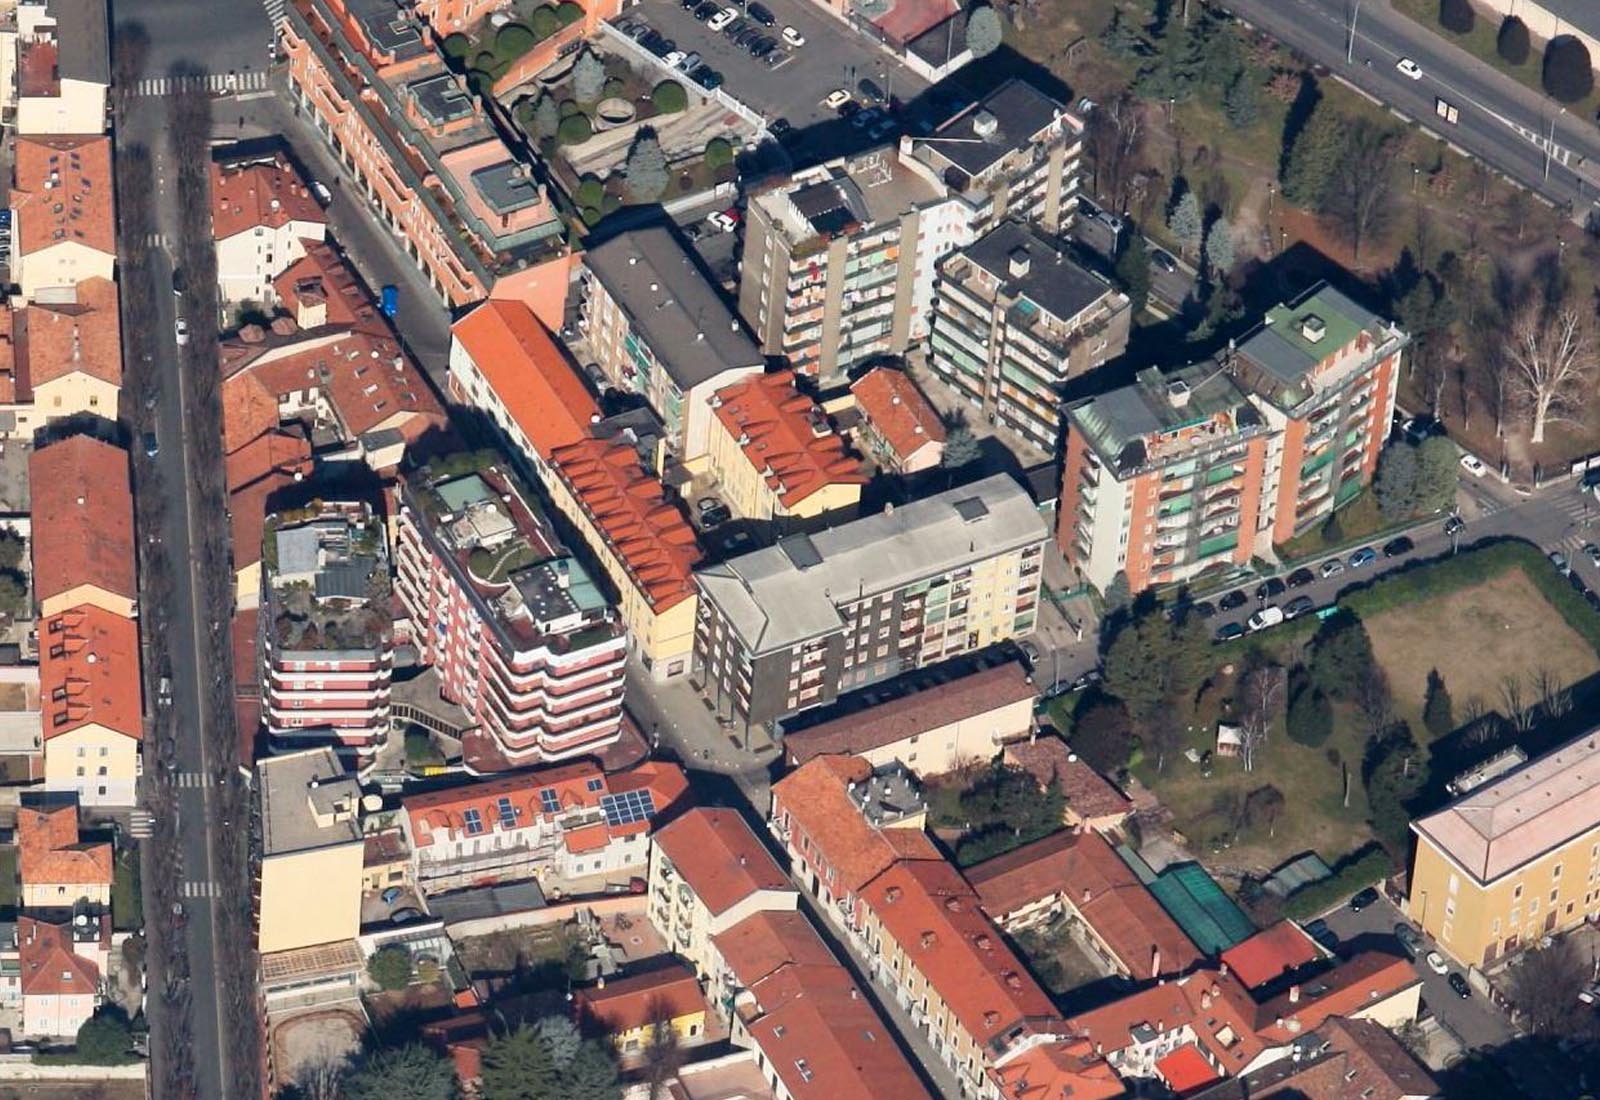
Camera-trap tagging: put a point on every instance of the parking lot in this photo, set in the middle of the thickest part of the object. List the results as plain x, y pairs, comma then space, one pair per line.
833, 57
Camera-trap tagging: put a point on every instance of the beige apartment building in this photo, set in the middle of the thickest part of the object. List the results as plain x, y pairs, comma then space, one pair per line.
1513, 860
309, 892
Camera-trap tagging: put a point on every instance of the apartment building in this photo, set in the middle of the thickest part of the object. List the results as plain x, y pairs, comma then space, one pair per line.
1016, 154
1163, 478
504, 363
902, 429
1014, 320
517, 632
1324, 372
839, 260
708, 872
937, 729
93, 699
55, 58
309, 890
572, 827
57, 868
368, 75
327, 640
798, 624
1340, 1059
60, 968
82, 534
262, 218
656, 324
1513, 860
67, 344
776, 457
63, 211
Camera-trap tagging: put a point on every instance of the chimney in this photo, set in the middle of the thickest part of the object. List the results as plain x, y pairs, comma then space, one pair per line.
1155, 962
1294, 994
1222, 969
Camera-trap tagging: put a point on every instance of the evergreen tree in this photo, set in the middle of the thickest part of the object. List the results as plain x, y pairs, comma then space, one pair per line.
1437, 712
1241, 103
1219, 58
546, 116
1568, 73
1457, 16
1102, 735
1341, 656
1133, 271
1123, 38
1314, 158
592, 1075
518, 1066
1153, 663
411, 1072
1310, 720
1396, 483
1514, 42
1393, 770
104, 1039
561, 1039
960, 448
588, 77
1177, 70
1219, 248
1185, 223
646, 167
1437, 467
983, 30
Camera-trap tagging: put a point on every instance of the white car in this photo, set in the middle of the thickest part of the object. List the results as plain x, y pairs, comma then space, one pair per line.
180, 332
674, 59
722, 18
722, 220
793, 36
1473, 465
1409, 68
836, 99
1436, 963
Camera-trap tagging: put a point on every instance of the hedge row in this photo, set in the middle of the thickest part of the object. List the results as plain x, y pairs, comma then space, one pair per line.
1356, 872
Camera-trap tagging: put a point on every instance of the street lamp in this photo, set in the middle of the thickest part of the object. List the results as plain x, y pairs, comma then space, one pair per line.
1350, 45
1550, 143
1270, 190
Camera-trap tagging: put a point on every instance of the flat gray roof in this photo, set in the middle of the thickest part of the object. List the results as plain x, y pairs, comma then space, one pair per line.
1119, 424
1052, 282
1006, 119
506, 187
784, 594
673, 305
83, 44
297, 790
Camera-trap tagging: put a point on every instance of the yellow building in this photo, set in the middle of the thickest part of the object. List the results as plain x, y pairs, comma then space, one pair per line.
63, 212
92, 704
82, 534
1513, 860
57, 868
72, 344
775, 454
311, 852
628, 1010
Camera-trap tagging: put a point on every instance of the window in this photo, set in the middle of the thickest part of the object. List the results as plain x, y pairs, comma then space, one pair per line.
1555, 872
804, 1067
549, 801
1516, 892
597, 784
473, 821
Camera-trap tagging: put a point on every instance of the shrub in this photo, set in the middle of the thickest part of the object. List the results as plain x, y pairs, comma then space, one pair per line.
513, 41
390, 967
569, 107
485, 60
1568, 71
1514, 42
612, 88
610, 204
103, 1040
574, 130
590, 191
588, 77
591, 215
1355, 872
455, 47
669, 97
1457, 16
719, 153
568, 13
983, 31
544, 22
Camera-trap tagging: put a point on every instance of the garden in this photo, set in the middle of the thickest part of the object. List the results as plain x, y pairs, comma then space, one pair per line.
488, 54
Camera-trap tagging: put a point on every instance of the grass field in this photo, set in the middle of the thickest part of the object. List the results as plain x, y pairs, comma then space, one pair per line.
1481, 636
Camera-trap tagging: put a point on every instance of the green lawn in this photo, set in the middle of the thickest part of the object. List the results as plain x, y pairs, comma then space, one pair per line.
8, 879
127, 907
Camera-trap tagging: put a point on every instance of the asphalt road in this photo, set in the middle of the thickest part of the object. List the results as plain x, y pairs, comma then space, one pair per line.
1170, 288
223, 36
1501, 121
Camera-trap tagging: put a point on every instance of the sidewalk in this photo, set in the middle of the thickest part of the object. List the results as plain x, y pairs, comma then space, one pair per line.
674, 716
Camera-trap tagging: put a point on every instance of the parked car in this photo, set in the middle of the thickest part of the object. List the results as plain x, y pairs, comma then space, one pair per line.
1161, 258
1227, 632
762, 15
871, 92
1473, 465
1409, 938
324, 196
1270, 615
1233, 599
1436, 963
180, 331
1397, 546
1557, 558
1454, 525
863, 119
705, 11
724, 220
152, 445
722, 18
391, 895
793, 36
713, 511
1363, 557
1332, 568
836, 99
1325, 937
691, 63
781, 128
1459, 984
1298, 606
1364, 899
1205, 609
674, 59
1577, 583
1300, 578
1592, 552
707, 77
1270, 588
1409, 68
177, 282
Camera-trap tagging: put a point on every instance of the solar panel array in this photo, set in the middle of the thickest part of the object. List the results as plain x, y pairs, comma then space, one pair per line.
627, 807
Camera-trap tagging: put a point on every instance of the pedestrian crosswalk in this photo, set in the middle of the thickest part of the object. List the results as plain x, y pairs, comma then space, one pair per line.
204, 888
141, 825
275, 11
215, 83
155, 240
191, 780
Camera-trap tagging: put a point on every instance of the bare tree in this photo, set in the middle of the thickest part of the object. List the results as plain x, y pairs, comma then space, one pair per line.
1114, 140
1362, 184
662, 1055
322, 1078
1260, 698
1519, 708
1554, 695
1550, 354
1376, 702
1545, 986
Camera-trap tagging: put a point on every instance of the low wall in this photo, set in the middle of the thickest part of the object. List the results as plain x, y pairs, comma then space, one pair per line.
559, 913
20, 1067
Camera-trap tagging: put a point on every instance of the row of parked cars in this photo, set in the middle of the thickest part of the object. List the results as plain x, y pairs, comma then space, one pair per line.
1271, 588
690, 64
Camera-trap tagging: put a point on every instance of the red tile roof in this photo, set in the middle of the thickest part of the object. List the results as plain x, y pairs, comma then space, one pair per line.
815, 797
272, 452
49, 966
1353, 984
893, 405
89, 672
1087, 872
322, 277
529, 373
83, 523
79, 337
1215, 1005
50, 853
719, 857
1064, 1070
910, 715
627, 1004
267, 193
927, 908
1270, 954
647, 532
249, 410
1185, 1069
62, 194
766, 942
785, 436
1089, 794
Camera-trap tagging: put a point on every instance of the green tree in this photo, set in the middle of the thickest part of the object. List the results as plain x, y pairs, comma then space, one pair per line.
1341, 656
1568, 71
1357, 195
545, 21
1177, 71
13, 593
1457, 16
512, 41
592, 1074
646, 167
1133, 272
1437, 713
1122, 37
412, 1072
588, 76
1153, 664
1314, 157
1310, 720
518, 1066
1219, 248
574, 130
456, 47
390, 967
1437, 463
1103, 736
1118, 595
1185, 222
591, 191
568, 13
104, 1039
719, 153
1514, 42
1394, 769
960, 448
1220, 57
984, 32
669, 97
1396, 483
1241, 103
561, 1038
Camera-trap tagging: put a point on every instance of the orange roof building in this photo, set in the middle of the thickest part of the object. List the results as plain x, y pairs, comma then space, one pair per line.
65, 212
902, 429
1270, 954
60, 988
83, 548
776, 454
320, 289
627, 1009
1092, 801
91, 695
79, 334
56, 867
262, 216
1185, 1070
1068, 1069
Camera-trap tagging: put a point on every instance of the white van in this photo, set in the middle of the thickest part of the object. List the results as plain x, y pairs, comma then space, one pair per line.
1267, 616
